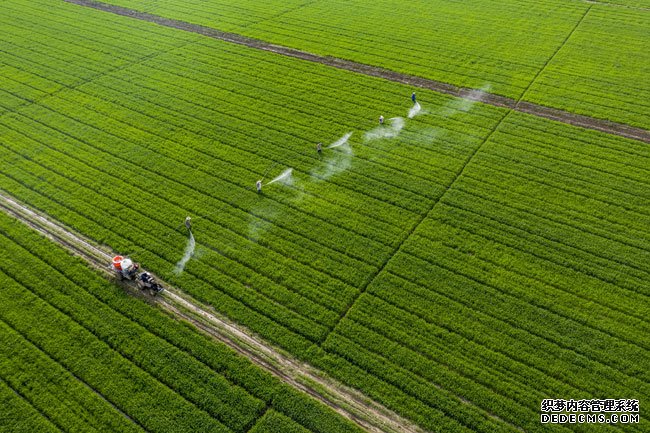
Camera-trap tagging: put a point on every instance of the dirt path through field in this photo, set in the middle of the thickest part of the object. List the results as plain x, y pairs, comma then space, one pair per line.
374, 71
348, 402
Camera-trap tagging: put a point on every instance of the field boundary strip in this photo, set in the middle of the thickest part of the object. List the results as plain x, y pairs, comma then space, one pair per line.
347, 402
550, 59
555, 114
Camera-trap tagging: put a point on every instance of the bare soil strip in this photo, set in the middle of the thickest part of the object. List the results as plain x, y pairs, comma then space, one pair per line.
579, 120
348, 402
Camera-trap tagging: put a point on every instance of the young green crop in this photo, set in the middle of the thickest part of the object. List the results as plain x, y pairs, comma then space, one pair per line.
457, 273
206, 373
553, 53
19, 415
601, 70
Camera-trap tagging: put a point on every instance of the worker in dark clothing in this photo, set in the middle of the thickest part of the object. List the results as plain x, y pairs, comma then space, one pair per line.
381, 120
413, 97
319, 148
188, 223
258, 185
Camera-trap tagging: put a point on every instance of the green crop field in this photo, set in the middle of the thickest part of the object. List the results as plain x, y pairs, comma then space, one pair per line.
458, 265
73, 358
585, 57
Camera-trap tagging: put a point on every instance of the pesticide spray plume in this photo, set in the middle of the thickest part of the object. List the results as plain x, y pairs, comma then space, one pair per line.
285, 177
415, 110
477, 95
386, 131
268, 169
341, 141
337, 161
187, 255
468, 97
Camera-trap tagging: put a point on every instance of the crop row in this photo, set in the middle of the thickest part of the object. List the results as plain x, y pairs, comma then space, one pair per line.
467, 41
468, 256
275, 92
131, 134
570, 206
145, 207
608, 81
148, 38
232, 297
24, 30
246, 288
19, 416
567, 82
599, 263
222, 238
516, 302
256, 59
321, 224
124, 343
243, 131
308, 160
516, 352
158, 245
125, 322
434, 352
91, 360
55, 392
500, 337
211, 68
607, 338
159, 139
273, 422
442, 349
623, 196
619, 173
494, 332
570, 283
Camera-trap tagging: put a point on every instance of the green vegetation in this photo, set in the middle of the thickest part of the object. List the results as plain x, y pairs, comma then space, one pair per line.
86, 356
600, 68
18, 416
520, 283
464, 43
159, 140
629, 3
459, 269
273, 422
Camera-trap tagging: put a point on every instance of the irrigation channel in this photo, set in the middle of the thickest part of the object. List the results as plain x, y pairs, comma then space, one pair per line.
484, 97
350, 403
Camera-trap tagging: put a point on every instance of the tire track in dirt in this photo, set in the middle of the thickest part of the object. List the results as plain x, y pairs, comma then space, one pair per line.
348, 402
555, 114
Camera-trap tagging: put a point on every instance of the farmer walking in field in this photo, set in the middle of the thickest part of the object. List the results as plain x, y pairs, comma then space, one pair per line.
188, 223
258, 185
319, 148
413, 97
381, 120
